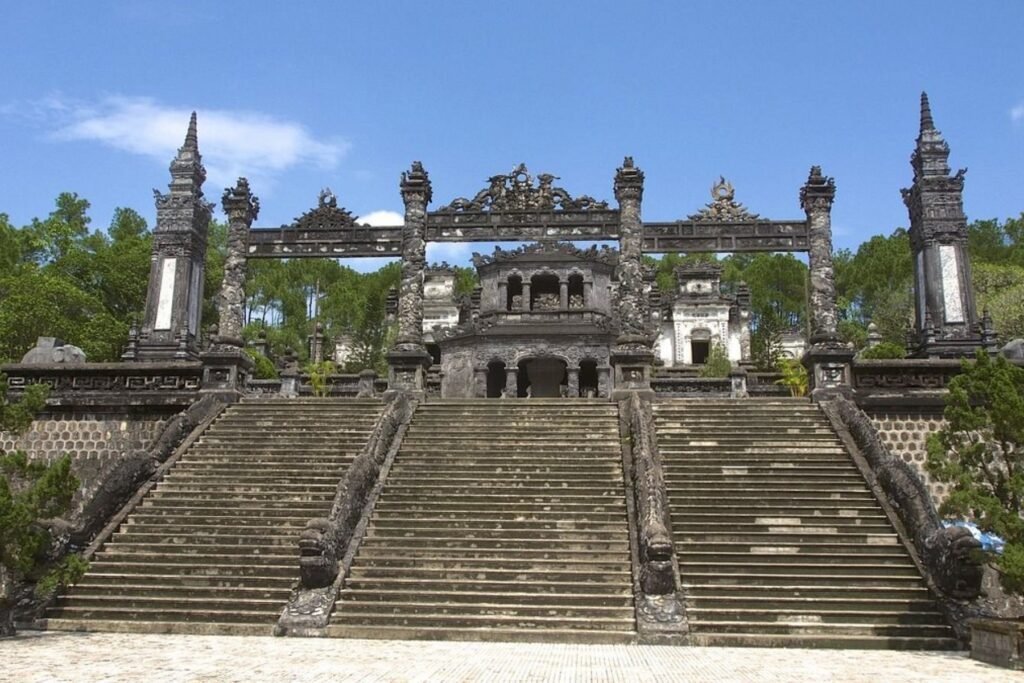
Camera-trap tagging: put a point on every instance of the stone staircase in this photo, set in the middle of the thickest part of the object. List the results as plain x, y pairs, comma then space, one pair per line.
780, 541
500, 520
213, 548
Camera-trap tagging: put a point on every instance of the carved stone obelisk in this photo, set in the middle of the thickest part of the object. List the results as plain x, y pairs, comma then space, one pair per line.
409, 360
174, 300
945, 317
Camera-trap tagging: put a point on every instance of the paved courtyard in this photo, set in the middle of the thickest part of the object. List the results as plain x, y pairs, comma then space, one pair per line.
98, 657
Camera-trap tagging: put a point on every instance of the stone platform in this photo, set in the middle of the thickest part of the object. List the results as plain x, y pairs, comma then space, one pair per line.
35, 656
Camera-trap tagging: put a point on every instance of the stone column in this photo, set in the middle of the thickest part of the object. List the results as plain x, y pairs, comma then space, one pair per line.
511, 382
480, 381
527, 304
502, 295
408, 360
242, 208
563, 295
633, 355
573, 383
828, 358
225, 366
588, 294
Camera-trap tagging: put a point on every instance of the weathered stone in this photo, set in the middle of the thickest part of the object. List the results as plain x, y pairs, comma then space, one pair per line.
52, 350
242, 207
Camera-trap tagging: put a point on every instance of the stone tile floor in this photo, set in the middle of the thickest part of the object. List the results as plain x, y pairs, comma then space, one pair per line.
95, 657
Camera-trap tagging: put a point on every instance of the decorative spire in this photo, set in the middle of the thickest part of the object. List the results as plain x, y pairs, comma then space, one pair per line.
927, 124
187, 171
629, 181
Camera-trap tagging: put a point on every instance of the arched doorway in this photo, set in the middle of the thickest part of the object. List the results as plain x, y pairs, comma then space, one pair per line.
588, 379
544, 292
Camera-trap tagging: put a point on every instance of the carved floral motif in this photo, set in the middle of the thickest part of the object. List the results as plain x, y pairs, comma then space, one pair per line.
723, 206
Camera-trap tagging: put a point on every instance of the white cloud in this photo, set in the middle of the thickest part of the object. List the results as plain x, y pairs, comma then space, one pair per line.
1017, 113
455, 253
382, 218
233, 143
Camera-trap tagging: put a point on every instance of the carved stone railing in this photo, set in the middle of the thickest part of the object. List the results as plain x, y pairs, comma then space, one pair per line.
765, 384
577, 315
949, 557
327, 545
174, 383
682, 387
660, 613
912, 382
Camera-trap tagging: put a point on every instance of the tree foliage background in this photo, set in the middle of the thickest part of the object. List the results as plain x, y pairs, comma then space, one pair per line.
61, 277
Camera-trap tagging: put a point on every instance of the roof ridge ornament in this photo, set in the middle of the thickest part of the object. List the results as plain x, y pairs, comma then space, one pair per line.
723, 206
516, 192
326, 216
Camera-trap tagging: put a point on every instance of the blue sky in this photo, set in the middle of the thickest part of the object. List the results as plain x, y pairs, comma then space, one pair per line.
94, 98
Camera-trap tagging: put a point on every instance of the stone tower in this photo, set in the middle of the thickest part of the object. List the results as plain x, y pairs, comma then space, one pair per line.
174, 300
945, 320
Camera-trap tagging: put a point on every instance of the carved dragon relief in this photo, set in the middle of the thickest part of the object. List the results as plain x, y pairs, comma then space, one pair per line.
516, 192
723, 206
326, 216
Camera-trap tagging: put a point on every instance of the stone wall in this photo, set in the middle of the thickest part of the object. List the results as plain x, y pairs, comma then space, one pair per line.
905, 433
99, 443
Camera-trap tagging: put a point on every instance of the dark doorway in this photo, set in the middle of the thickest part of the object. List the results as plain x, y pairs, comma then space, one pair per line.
495, 379
542, 377
588, 378
435, 353
700, 350
515, 289
576, 299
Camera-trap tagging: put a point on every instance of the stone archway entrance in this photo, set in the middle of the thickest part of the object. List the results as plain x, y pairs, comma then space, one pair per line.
542, 377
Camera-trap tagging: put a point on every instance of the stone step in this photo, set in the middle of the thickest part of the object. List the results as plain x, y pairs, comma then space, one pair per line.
245, 612
271, 557
782, 525
434, 621
169, 485
213, 528
511, 480
242, 550
484, 633
526, 458
850, 517
671, 453
822, 544
700, 594
102, 578
591, 492
202, 522
498, 517
582, 562
700, 616
781, 537
830, 555
195, 538
101, 591
407, 494
505, 608
254, 478
613, 587
756, 565
506, 545
444, 507
444, 532
810, 577
551, 575
691, 492
586, 553
809, 626
249, 472
733, 468
831, 641
235, 571
233, 499
158, 603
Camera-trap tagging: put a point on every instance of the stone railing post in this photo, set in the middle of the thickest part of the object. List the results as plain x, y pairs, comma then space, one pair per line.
633, 355
738, 383
226, 366
511, 382
408, 360
828, 359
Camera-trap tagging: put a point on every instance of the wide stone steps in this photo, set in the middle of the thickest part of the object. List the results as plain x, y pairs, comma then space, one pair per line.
213, 548
780, 541
498, 520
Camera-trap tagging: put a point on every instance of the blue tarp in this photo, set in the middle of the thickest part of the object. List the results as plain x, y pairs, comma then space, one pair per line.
989, 541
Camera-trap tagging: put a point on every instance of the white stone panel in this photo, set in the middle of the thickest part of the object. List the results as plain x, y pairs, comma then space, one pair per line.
165, 302
951, 284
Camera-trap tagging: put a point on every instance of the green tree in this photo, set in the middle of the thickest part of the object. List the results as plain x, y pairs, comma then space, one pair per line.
1000, 291
718, 364
980, 453
31, 495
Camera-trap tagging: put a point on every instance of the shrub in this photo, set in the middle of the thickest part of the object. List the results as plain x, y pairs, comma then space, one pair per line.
794, 376
718, 363
884, 351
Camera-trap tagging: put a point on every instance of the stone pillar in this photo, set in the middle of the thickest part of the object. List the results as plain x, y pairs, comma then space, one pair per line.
315, 343
480, 381
828, 359
943, 292
527, 303
503, 303
573, 383
633, 355
174, 299
588, 294
604, 382
408, 360
226, 367
511, 382
563, 295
